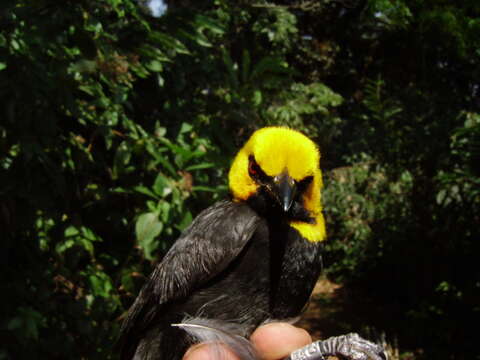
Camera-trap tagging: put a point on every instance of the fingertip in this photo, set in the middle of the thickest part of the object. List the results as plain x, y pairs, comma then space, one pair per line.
196, 352
209, 352
278, 340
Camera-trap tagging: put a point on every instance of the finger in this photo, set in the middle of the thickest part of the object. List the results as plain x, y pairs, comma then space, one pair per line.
208, 352
277, 340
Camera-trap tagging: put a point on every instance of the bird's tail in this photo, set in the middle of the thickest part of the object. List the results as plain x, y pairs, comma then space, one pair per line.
219, 334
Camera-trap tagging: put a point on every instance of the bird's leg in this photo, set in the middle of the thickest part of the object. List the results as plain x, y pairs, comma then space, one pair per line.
350, 347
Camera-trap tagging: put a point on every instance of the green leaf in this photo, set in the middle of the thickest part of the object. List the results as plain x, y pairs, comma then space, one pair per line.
257, 97
231, 68
160, 80
87, 245
101, 284
155, 66
169, 42
65, 245
145, 191
84, 66
2, 66
202, 40
90, 90
71, 231
28, 321
147, 228
15, 45
204, 22
271, 64
200, 166
162, 186
121, 160
186, 220
165, 211
186, 127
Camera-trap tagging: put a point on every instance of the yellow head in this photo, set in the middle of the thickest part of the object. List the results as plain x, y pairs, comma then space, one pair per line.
284, 164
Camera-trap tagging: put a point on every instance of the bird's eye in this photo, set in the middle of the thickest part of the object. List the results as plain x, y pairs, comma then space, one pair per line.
253, 168
255, 171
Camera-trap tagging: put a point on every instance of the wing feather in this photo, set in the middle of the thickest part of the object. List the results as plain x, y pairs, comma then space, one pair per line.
215, 237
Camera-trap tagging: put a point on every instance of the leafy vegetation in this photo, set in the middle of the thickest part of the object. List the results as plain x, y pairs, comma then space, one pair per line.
117, 128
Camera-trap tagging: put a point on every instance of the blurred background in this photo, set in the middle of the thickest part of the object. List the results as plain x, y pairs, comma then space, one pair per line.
119, 119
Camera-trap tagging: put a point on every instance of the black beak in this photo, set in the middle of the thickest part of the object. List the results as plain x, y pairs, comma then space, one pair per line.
284, 190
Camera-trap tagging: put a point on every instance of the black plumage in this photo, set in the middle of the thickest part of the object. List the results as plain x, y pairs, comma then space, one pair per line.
231, 264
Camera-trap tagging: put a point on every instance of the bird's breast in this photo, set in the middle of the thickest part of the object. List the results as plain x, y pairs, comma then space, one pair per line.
271, 278
298, 272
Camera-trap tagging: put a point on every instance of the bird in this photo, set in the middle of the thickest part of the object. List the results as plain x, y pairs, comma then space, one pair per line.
244, 261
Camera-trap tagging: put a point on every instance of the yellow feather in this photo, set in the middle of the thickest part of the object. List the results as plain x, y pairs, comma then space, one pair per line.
311, 232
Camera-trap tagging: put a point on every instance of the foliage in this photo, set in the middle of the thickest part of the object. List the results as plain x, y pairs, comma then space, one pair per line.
116, 132
363, 204
117, 128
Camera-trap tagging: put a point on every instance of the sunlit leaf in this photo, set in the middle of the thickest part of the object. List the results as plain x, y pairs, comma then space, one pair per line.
155, 66
161, 185
147, 228
146, 191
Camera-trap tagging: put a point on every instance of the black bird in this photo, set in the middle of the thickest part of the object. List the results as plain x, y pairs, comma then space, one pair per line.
242, 262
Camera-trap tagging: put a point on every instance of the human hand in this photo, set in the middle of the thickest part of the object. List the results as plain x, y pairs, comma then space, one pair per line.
273, 341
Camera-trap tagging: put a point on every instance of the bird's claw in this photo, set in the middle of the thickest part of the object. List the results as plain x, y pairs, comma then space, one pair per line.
350, 347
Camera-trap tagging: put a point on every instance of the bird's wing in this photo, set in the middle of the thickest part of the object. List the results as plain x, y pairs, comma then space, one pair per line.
215, 237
